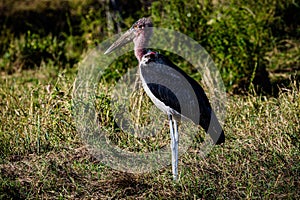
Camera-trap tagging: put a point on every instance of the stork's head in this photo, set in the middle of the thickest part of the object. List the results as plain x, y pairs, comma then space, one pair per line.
139, 33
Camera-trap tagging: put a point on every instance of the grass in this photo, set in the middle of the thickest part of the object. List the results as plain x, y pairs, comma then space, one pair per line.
42, 155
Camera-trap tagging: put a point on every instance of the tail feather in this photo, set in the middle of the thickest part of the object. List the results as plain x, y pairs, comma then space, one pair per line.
215, 130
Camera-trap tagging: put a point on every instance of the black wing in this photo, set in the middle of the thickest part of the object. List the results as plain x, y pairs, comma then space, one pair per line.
172, 86
165, 95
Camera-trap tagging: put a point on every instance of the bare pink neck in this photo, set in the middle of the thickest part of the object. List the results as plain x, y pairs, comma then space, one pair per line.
140, 44
139, 53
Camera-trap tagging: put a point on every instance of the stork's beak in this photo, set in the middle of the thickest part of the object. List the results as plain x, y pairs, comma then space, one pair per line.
124, 39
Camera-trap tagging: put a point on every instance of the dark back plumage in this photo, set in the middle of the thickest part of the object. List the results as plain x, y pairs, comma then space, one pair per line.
182, 95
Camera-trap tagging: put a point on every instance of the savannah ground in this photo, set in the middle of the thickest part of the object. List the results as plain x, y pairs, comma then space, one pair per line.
44, 157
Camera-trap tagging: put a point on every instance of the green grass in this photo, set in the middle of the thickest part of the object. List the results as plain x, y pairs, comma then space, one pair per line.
42, 155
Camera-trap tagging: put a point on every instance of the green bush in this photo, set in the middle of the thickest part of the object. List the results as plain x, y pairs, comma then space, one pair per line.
32, 49
59, 34
238, 34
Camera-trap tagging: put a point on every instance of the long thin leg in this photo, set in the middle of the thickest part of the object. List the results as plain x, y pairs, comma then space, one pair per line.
176, 137
173, 148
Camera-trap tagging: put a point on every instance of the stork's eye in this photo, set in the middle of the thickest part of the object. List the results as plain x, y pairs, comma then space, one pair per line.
136, 27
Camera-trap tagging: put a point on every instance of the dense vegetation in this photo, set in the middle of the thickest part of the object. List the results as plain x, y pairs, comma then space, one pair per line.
255, 45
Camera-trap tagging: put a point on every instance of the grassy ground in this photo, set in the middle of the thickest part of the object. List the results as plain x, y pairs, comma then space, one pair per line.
42, 155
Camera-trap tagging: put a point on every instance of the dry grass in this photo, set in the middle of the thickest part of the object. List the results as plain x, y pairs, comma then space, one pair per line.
42, 155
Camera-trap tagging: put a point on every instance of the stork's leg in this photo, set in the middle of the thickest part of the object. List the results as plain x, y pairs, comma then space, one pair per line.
173, 148
176, 137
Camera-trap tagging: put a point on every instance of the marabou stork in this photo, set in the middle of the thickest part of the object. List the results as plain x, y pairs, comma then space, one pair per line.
153, 67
